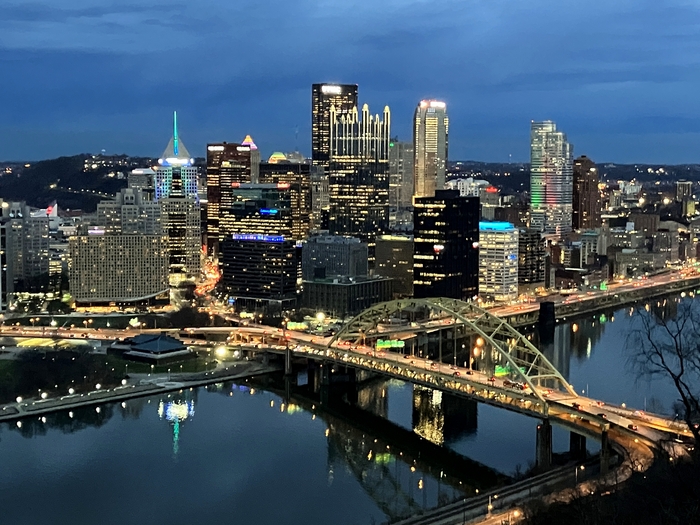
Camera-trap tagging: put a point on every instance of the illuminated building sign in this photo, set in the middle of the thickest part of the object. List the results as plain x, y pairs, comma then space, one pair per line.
215, 148
501, 371
331, 90
495, 226
437, 248
381, 344
243, 148
96, 231
257, 237
266, 211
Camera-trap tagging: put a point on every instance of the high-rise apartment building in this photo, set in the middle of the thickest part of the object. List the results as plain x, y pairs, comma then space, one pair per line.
430, 132
586, 201
358, 178
118, 270
551, 179
25, 250
531, 257
124, 258
498, 261
131, 212
446, 246
228, 165
342, 97
401, 160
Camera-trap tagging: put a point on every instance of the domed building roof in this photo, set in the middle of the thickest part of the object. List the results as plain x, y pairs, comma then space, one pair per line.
277, 157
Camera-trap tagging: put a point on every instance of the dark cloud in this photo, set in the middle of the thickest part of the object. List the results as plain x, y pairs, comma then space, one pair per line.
83, 75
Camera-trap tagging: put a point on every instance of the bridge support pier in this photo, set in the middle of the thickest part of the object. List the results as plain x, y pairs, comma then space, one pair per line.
604, 452
288, 361
577, 446
543, 455
266, 358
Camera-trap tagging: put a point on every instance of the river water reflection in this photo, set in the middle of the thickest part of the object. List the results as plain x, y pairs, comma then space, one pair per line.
235, 455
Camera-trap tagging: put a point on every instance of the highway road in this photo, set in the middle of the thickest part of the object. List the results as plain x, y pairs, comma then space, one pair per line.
614, 288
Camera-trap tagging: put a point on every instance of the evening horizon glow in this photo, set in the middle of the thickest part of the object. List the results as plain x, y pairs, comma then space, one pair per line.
618, 78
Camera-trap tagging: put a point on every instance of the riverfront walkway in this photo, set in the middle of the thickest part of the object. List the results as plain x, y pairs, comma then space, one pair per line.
136, 388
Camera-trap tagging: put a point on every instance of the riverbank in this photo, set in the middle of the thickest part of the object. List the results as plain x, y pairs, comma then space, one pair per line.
135, 387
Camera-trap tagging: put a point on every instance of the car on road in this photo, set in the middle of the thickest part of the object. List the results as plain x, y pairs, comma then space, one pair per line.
469, 372
492, 379
604, 416
577, 406
456, 374
632, 427
406, 356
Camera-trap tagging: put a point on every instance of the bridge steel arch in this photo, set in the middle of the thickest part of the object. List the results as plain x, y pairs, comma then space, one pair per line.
513, 346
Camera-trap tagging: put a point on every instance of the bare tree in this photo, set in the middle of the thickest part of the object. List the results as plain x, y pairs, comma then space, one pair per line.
669, 346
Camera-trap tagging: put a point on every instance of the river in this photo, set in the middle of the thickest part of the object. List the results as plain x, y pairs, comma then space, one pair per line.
234, 453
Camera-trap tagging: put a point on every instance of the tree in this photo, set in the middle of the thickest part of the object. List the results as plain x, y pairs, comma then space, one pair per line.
669, 346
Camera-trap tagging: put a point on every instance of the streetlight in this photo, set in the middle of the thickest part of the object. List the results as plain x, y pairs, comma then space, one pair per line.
489, 508
514, 514
582, 467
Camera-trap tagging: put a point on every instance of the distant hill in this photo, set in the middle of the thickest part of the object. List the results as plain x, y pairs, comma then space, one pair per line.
77, 182
515, 177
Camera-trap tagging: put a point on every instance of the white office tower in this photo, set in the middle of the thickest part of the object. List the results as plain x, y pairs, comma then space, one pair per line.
430, 132
551, 179
498, 261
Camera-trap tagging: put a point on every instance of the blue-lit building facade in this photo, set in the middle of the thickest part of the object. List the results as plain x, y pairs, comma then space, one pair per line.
176, 175
259, 255
446, 246
498, 261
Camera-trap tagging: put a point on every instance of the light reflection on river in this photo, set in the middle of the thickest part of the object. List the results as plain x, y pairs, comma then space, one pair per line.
224, 455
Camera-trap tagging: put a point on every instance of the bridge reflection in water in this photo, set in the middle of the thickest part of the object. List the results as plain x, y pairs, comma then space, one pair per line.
404, 472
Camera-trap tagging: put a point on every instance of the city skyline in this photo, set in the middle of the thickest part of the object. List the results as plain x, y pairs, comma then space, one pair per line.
105, 92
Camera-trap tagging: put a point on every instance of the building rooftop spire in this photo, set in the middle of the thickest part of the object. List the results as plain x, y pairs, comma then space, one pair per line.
175, 153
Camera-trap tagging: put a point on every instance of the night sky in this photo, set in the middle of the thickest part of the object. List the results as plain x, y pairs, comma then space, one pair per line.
620, 77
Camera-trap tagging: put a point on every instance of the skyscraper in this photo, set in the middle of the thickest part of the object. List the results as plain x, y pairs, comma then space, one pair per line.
531, 258
358, 178
175, 174
446, 246
430, 131
551, 179
176, 189
342, 97
297, 178
258, 253
586, 200
228, 164
498, 261
400, 174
